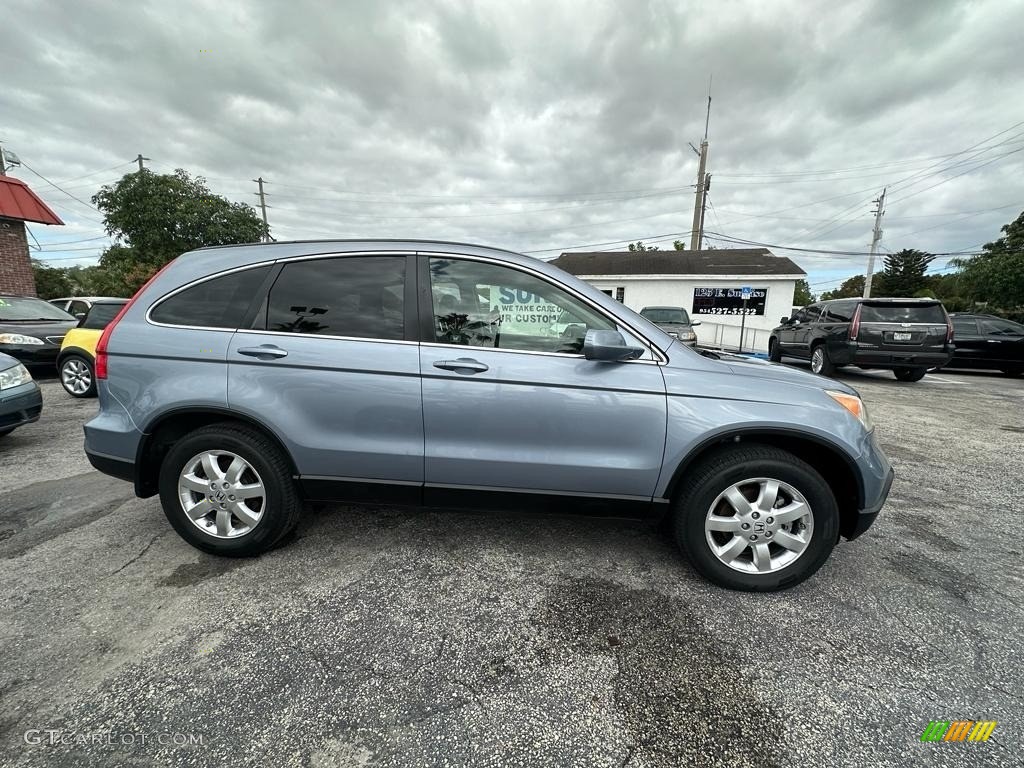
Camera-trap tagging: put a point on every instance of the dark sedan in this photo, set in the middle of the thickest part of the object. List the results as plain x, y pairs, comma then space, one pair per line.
986, 341
31, 330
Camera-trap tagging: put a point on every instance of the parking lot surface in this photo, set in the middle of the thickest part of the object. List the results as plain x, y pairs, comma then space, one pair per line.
397, 637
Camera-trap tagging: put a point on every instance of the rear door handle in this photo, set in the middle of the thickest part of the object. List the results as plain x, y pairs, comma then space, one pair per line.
263, 352
461, 365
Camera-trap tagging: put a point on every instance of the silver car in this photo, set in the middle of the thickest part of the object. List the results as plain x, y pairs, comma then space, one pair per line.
241, 381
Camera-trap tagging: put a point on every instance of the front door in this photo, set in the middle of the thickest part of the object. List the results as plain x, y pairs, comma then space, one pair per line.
509, 401
331, 371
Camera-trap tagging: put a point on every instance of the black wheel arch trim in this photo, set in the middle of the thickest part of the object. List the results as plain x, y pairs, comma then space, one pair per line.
77, 352
145, 488
727, 434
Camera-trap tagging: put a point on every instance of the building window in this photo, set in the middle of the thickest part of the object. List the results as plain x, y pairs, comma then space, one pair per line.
620, 294
606, 291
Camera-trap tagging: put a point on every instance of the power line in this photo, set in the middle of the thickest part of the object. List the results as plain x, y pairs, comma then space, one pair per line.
88, 205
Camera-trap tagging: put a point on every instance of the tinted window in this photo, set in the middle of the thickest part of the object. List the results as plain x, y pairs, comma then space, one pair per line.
360, 296
965, 326
218, 303
1002, 327
100, 315
78, 308
664, 315
812, 313
504, 308
903, 313
23, 308
840, 311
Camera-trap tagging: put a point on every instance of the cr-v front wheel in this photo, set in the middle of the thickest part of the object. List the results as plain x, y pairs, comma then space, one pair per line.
756, 518
228, 490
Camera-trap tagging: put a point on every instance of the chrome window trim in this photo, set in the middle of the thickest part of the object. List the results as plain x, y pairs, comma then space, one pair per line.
656, 351
289, 334
563, 355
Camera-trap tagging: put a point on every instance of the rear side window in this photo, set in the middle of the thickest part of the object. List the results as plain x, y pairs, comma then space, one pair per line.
218, 303
903, 313
359, 296
100, 315
965, 326
840, 311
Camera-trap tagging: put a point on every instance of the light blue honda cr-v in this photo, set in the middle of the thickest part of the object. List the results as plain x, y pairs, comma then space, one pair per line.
242, 380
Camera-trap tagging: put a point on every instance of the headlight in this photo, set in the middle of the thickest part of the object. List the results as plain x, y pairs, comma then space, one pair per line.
14, 376
854, 405
689, 336
17, 338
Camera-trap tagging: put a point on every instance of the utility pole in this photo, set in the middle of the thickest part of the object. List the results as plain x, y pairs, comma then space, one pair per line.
263, 208
703, 208
139, 160
697, 230
876, 235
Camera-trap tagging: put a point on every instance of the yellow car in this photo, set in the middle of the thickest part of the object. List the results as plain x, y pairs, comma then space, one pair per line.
78, 350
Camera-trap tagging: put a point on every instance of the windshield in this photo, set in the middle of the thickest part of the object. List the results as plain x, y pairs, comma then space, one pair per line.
902, 313
667, 315
24, 308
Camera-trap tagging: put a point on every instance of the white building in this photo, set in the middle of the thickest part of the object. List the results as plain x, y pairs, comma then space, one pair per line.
707, 284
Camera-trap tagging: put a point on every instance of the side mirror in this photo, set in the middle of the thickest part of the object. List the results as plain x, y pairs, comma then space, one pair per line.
694, 323
608, 346
784, 321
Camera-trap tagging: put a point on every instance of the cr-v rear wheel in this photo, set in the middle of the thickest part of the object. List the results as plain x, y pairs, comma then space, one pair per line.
756, 518
228, 490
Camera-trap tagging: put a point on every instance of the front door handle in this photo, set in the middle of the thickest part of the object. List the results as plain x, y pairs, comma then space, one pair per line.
263, 352
461, 365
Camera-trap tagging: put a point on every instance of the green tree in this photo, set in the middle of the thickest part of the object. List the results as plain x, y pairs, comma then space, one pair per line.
51, 282
851, 288
996, 275
903, 274
639, 246
802, 296
156, 217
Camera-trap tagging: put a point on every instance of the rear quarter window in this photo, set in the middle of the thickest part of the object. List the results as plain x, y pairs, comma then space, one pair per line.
903, 313
100, 315
220, 302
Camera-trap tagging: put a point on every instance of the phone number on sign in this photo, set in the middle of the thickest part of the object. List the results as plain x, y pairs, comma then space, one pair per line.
728, 311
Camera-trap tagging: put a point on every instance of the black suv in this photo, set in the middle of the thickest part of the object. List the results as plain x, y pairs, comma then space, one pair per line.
987, 341
905, 336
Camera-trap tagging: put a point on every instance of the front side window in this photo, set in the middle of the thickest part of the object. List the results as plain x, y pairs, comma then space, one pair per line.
217, 303
813, 313
486, 305
1001, 327
356, 296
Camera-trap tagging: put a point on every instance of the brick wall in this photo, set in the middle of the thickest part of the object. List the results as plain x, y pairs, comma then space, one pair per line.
15, 266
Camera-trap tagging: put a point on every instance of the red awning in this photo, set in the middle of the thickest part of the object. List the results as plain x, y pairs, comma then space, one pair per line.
17, 201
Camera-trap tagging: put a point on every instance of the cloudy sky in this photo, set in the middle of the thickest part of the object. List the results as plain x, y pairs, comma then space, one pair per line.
538, 126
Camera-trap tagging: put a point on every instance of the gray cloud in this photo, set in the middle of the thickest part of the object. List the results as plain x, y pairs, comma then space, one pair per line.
532, 125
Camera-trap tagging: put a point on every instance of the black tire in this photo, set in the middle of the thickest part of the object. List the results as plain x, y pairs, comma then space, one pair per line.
774, 353
909, 374
80, 362
282, 506
733, 465
826, 367
1013, 371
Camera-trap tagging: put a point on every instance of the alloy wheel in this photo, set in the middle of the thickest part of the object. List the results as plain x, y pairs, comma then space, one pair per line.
221, 494
817, 359
760, 525
76, 376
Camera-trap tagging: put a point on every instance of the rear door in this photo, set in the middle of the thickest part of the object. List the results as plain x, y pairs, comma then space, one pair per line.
970, 344
903, 327
1004, 341
328, 365
513, 406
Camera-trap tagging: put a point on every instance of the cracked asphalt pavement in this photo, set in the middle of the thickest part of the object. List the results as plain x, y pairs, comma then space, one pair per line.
397, 637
